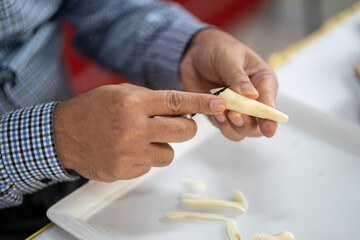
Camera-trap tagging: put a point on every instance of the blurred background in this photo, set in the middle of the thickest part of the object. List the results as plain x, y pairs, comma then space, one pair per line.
266, 26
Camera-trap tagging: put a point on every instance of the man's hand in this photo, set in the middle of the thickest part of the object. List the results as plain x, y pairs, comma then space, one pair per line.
111, 133
216, 59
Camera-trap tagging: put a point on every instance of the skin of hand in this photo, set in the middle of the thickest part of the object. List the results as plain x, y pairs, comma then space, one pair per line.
216, 59
110, 133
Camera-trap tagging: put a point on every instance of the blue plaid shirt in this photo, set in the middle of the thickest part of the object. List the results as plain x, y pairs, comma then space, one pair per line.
141, 39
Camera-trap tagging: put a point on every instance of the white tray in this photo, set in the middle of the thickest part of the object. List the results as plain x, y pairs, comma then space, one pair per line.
305, 180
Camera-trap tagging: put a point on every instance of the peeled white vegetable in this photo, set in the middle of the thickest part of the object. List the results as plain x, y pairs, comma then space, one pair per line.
193, 196
239, 103
263, 236
230, 224
280, 236
196, 215
193, 185
239, 197
232, 230
208, 202
286, 235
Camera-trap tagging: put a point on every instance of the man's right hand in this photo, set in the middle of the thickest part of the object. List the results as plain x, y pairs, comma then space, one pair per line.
110, 133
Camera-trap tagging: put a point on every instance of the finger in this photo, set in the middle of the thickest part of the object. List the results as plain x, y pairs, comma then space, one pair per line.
234, 74
213, 120
245, 125
267, 127
157, 155
221, 117
228, 131
177, 102
236, 118
161, 155
171, 129
267, 90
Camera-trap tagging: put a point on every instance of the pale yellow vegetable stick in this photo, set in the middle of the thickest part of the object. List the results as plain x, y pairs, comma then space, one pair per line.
232, 230
263, 236
239, 197
357, 69
195, 215
208, 202
280, 236
239, 103
193, 185
193, 196
240, 200
284, 236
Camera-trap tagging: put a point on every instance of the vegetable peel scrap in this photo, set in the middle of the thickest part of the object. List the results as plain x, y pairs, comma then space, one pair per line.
239, 197
240, 205
230, 224
232, 230
193, 185
195, 215
286, 235
205, 202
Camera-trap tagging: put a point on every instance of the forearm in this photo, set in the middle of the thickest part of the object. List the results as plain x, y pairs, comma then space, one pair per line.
143, 40
28, 157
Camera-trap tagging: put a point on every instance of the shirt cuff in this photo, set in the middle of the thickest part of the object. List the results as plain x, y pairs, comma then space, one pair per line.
28, 151
163, 60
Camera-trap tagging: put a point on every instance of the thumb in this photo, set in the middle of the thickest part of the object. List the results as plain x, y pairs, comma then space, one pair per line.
240, 81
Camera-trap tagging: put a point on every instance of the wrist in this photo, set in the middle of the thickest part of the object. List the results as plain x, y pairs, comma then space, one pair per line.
59, 129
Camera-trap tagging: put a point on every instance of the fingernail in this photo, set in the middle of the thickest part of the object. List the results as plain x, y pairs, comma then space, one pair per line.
220, 117
217, 105
238, 120
247, 89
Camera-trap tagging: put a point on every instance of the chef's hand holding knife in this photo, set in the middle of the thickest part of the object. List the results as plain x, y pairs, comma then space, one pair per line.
110, 133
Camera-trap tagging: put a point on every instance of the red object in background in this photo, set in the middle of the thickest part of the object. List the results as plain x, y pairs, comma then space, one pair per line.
84, 74
219, 12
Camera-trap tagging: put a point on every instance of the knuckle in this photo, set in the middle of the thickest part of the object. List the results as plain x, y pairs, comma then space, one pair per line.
201, 105
182, 130
174, 101
130, 100
268, 78
129, 130
165, 126
267, 94
238, 74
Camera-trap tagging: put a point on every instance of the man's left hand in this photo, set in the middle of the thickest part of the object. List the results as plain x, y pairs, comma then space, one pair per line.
216, 59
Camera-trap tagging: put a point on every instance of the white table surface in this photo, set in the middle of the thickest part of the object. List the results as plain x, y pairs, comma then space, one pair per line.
321, 75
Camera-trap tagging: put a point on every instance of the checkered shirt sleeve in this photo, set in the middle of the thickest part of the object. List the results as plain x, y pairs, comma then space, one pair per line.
143, 40
28, 157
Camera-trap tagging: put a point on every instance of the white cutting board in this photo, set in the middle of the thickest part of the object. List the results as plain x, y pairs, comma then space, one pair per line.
322, 73
305, 180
